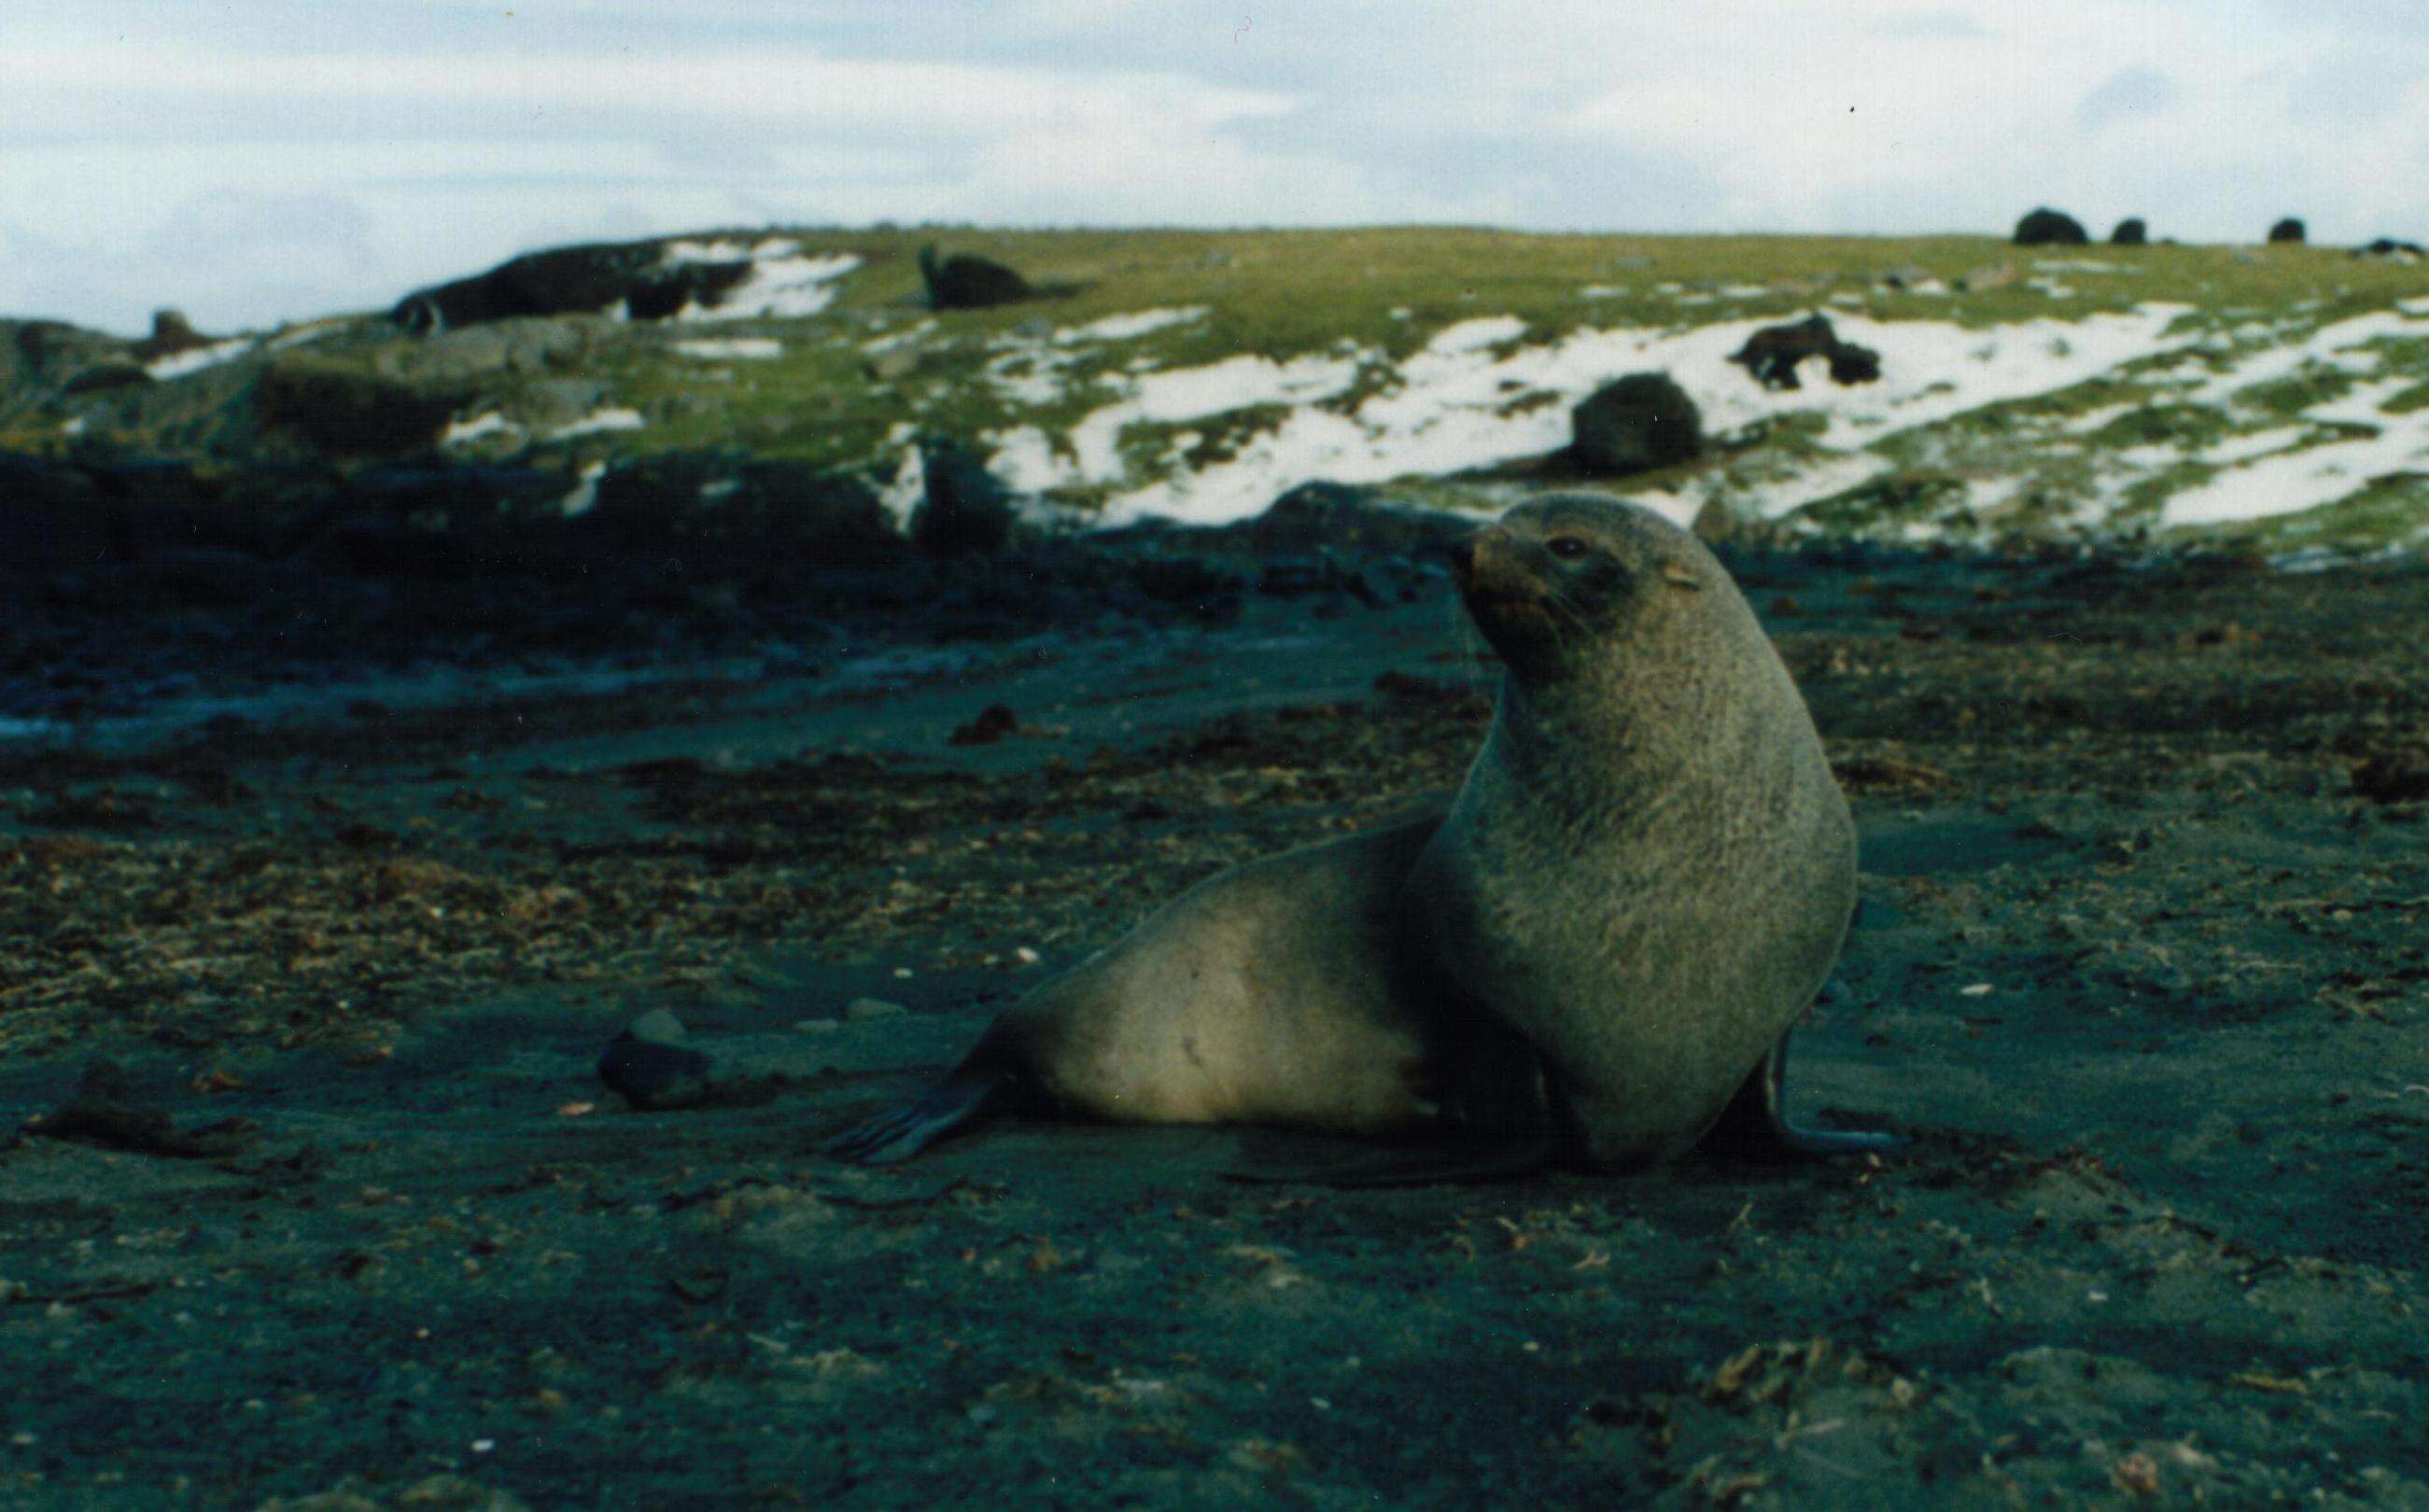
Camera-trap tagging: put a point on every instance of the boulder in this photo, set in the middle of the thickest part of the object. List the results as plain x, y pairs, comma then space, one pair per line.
347, 411
1642, 421
2130, 232
2389, 247
2288, 230
966, 509
719, 515
1772, 355
961, 281
53, 357
2047, 227
1335, 516
571, 280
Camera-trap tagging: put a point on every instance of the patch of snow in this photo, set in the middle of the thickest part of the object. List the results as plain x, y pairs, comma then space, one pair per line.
747, 348
2252, 444
585, 496
783, 287
459, 433
908, 490
611, 419
1475, 335
1446, 414
2081, 265
180, 364
75, 426
302, 333
2287, 483
1130, 327
1036, 384
1601, 290
676, 253
887, 343
1744, 290
2345, 346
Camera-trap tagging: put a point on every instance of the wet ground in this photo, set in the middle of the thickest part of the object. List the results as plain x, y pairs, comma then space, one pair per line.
2141, 969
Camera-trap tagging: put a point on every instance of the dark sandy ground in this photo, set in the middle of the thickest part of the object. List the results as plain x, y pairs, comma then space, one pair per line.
2141, 970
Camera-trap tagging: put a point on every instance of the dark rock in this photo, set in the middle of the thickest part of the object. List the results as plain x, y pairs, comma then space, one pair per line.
171, 333
962, 281
1316, 516
966, 509
2288, 230
1642, 421
106, 1112
50, 516
719, 515
1208, 590
2130, 232
2396, 776
571, 280
1852, 363
53, 354
2050, 229
347, 411
2389, 247
1773, 353
103, 376
652, 1067
449, 521
528, 345
992, 723
666, 294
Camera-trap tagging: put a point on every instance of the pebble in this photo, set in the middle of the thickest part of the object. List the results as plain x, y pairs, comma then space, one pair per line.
861, 1010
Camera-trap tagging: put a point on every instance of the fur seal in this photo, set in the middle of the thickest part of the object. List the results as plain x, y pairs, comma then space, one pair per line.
1593, 955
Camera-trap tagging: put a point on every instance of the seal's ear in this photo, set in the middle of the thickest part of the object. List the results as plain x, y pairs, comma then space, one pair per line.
1678, 576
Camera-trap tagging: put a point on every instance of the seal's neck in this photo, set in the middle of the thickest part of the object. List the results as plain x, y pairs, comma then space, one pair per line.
1647, 726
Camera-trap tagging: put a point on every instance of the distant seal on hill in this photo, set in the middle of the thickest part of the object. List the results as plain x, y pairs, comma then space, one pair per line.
1594, 956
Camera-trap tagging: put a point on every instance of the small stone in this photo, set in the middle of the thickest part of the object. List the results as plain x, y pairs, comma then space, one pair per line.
861, 1010
658, 1027
818, 1026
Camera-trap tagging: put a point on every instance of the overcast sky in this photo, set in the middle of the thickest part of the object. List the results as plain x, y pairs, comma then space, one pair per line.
251, 160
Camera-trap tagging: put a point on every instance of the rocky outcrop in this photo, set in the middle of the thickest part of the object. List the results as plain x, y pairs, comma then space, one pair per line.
2130, 232
2047, 227
40, 358
965, 509
2391, 247
1642, 421
346, 411
962, 281
2290, 231
572, 280
723, 515
1772, 355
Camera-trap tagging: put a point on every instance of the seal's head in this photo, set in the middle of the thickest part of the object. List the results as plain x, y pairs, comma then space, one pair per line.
1559, 579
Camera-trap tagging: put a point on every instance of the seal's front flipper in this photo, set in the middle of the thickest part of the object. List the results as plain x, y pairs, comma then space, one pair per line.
1464, 1159
965, 1096
1755, 1125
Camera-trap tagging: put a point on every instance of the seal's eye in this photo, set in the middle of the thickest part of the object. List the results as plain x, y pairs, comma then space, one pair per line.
1567, 548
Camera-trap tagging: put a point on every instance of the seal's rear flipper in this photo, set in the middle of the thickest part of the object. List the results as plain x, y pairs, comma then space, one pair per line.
1755, 1125
967, 1093
1463, 1159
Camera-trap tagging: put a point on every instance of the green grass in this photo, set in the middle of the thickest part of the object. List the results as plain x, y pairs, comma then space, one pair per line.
828, 402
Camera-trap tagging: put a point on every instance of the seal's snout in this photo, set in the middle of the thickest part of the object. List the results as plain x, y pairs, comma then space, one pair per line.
1487, 564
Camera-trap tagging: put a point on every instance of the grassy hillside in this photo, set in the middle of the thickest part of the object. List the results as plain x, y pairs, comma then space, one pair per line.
2278, 396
